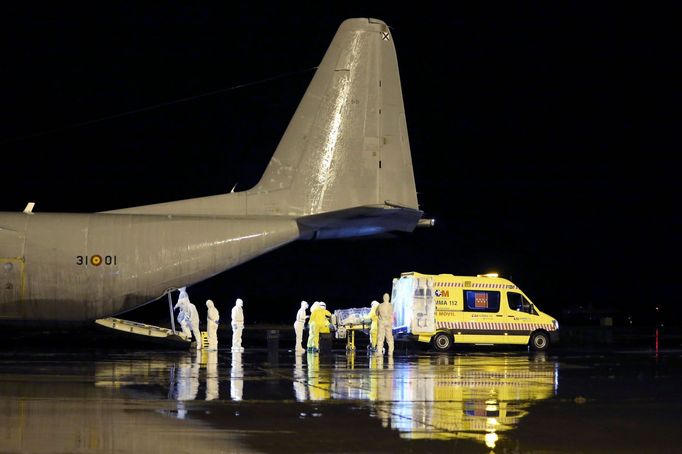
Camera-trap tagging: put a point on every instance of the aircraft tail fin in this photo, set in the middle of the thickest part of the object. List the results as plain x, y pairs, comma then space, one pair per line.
347, 144
343, 166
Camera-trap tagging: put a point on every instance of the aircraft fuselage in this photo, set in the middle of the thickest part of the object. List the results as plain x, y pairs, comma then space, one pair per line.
76, 267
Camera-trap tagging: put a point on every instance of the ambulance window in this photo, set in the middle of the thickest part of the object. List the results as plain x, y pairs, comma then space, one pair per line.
517, 302
481, 301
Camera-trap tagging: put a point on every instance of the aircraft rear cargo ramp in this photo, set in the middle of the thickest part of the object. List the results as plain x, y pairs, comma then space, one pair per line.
145, 332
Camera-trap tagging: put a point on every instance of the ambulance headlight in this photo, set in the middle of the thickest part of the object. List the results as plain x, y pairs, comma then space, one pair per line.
555, 323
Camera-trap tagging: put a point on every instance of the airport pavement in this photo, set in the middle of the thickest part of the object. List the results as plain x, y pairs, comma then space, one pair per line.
578, 338
91, 398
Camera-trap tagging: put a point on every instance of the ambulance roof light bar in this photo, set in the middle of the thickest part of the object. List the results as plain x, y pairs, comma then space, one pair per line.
488, 275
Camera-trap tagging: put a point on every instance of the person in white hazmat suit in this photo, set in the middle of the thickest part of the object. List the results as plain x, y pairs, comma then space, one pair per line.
299, 324
191, 310
385, 325
312, 327
191, 315
237, 325
373, 327
212, 320
183, 319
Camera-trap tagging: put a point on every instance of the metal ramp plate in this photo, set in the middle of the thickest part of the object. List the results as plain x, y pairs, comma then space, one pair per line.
150, 332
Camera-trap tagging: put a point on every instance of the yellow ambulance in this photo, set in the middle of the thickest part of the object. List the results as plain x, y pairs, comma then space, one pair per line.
485, 310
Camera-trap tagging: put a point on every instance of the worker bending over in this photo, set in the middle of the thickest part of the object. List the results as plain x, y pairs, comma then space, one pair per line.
318, 324
191, 315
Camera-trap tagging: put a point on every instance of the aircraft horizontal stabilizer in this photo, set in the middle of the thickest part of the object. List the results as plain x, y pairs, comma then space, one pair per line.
358, 221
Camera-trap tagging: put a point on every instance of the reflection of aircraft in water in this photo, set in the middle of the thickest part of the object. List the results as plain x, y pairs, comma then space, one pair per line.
473, 397
121, 372
56, 408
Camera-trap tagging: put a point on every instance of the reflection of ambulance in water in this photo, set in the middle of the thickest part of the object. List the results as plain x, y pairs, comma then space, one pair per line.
444, 309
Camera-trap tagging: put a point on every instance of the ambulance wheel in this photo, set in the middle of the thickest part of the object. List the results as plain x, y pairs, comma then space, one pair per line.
539, 342
441, 342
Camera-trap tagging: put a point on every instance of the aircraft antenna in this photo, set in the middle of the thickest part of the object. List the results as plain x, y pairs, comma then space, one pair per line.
156, 106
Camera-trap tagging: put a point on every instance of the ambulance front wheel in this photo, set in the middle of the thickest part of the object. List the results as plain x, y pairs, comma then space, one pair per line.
539, 342
441, 342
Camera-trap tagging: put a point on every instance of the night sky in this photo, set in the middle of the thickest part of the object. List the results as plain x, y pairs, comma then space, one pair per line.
545, 139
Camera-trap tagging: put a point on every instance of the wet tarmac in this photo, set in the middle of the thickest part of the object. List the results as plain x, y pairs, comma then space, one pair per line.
110, 400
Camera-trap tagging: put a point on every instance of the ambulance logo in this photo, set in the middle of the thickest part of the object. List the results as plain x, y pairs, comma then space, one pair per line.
481, 300
442, 293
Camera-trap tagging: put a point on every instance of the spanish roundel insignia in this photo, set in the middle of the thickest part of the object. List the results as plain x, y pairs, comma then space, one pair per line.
96, 260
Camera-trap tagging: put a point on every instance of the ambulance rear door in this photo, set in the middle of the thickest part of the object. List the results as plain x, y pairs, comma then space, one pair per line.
401, 297
423, 307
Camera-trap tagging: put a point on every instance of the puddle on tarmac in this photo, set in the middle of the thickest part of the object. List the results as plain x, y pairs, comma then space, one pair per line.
158, 401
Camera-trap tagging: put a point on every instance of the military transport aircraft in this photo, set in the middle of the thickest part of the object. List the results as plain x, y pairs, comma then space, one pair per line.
342, 169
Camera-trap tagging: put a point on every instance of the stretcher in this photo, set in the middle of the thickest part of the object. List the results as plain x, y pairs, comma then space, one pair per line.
348, 321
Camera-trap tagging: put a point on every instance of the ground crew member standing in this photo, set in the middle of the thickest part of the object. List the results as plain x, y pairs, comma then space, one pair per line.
212, 320
237, 325
299, 324
385, 324
312, 327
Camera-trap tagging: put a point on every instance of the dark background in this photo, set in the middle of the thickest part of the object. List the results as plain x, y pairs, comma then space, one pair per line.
544, 139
